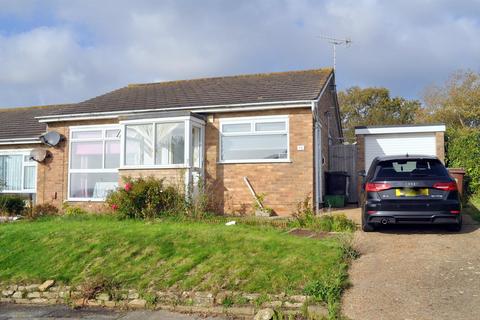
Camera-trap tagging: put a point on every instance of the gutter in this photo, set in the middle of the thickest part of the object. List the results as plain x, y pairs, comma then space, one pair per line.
212, 108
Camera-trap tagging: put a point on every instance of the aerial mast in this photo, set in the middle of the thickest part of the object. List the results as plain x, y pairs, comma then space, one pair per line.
336, 42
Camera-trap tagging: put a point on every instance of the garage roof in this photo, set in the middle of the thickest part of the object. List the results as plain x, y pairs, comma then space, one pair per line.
400, 129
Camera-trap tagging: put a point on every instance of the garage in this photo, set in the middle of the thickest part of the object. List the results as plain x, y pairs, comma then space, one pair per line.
373, 141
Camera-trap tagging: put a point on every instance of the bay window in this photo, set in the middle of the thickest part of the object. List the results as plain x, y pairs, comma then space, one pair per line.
255, 139
94, 162
17, 172
155, 144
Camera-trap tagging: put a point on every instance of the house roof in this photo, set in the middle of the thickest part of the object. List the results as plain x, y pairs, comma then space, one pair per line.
20, 123
219, 91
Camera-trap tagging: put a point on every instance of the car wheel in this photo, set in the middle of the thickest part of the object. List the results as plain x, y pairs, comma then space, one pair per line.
455, 227
367, 227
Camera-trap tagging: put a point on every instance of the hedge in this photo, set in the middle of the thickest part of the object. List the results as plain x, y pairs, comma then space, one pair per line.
463, 151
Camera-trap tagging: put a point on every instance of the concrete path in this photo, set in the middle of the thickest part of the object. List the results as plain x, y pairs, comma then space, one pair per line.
421, 272
59, 312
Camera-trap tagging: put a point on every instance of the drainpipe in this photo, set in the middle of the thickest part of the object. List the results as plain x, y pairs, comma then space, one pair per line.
317, 147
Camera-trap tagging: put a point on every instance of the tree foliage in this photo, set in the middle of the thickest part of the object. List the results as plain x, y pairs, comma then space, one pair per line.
455, 103
463, 151
374, 106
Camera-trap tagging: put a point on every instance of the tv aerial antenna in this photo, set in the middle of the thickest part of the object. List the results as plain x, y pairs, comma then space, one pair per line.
336, 42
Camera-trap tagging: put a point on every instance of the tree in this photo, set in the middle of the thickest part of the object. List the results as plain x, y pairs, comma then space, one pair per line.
455, 103
374, 106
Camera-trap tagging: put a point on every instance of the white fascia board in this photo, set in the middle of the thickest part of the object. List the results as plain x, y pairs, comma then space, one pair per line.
74, 118
214, 108
402, 129
20, 141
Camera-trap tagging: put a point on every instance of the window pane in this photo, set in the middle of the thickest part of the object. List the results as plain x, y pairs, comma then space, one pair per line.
93, 134
112, 154
196, 147
11, 172
87, 155
114, 133
270, 126
29, 178
237, 127
92, 185
170, 147
139, 145
254, 147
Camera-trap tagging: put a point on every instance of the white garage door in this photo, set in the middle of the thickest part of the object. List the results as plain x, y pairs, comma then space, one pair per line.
398, 144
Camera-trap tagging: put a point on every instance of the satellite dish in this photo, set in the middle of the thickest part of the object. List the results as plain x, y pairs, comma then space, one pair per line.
39, 154
51, 138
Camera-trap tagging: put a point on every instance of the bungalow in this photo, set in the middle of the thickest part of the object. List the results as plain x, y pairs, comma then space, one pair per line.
275, 129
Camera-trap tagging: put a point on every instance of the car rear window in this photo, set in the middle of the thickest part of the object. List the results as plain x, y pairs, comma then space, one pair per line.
410, 168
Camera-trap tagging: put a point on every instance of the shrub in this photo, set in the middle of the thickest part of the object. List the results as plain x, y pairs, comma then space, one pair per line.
463, 150
147, 198
305, 217
42, 210
69, 210
11, 205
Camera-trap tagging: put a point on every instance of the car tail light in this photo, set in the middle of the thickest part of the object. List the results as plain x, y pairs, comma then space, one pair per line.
446, 186
375, 187
455, 211
371, 211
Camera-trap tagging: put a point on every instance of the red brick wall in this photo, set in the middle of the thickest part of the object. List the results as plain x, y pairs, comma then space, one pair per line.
52, 176
285, 184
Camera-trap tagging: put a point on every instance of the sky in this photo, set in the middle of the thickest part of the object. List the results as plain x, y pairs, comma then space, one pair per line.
56, 51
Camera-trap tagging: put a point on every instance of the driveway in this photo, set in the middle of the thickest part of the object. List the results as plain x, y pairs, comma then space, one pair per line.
420, 272
60, 312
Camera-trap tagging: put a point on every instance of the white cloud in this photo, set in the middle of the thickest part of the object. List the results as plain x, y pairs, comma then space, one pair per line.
89, 47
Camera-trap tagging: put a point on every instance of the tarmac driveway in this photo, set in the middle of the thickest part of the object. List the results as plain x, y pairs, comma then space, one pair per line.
421, 272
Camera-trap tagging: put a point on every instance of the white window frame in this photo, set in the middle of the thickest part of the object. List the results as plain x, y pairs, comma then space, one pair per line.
253, 121
188, 121
102, 128
23, 153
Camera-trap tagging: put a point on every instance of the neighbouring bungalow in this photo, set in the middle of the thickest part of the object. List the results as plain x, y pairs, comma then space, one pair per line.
275, 129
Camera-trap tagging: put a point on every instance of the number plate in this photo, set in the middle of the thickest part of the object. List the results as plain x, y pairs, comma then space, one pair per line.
409, 192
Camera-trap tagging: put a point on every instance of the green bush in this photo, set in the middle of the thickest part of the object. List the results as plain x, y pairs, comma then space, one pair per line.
305, 217
42, 210
147, 198
69, 210
463, 151
11, 205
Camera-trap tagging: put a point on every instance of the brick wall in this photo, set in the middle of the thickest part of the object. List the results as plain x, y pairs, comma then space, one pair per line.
52, 175
283, 183
360, 160
440, 145
173, 176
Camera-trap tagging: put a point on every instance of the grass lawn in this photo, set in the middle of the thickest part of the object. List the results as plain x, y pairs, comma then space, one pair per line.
168, 254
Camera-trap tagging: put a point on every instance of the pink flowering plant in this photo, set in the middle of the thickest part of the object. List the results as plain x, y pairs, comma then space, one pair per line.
146, 198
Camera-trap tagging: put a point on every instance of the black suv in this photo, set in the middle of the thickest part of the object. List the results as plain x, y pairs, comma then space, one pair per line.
409, 189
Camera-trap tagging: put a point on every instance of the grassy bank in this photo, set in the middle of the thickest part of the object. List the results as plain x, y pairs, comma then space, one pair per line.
184, 256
